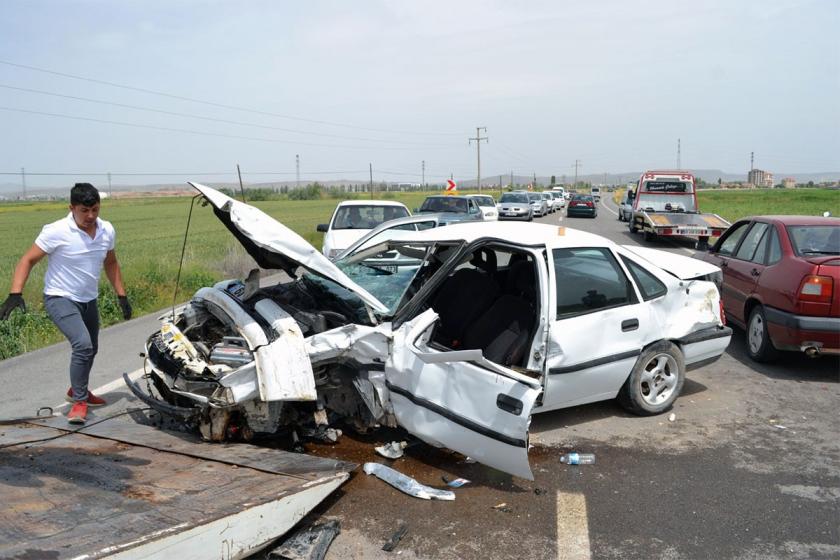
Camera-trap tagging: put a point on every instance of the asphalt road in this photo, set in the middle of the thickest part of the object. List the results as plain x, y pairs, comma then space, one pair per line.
749, 468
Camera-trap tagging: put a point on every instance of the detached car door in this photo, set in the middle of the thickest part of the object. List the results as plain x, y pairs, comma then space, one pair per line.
460, 400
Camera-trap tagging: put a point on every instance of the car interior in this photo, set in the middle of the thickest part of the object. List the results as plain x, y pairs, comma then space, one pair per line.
489, 302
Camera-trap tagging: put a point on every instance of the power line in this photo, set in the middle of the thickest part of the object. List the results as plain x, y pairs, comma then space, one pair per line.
202, 117
214, 104
218, 134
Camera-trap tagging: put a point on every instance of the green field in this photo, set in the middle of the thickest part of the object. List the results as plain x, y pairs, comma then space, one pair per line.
150, 234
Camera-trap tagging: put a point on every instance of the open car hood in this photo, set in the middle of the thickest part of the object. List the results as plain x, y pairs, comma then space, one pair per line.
273, 245
684, 268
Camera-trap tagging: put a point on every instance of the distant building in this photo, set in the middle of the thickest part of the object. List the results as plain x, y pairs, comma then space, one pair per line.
760, 178
789, 183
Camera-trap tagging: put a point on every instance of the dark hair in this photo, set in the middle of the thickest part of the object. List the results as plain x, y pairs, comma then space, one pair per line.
84, 194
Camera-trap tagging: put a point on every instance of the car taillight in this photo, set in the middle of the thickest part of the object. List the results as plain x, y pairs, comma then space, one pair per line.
722, 313
816, 288
590, 204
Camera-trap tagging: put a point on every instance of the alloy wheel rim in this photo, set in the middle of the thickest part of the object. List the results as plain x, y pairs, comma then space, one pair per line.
756, 333
659, 379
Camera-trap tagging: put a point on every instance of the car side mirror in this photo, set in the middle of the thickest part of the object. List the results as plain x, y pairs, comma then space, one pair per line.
416, 210
322, 228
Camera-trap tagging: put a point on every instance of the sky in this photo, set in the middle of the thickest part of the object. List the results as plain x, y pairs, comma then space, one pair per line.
170, 91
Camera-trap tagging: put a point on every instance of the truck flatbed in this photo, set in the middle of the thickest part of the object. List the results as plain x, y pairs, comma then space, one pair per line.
124, 489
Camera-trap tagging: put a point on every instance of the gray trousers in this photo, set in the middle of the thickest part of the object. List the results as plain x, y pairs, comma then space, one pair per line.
79, 322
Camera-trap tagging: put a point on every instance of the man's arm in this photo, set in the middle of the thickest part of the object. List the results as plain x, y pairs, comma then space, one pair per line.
24, 266
112, 271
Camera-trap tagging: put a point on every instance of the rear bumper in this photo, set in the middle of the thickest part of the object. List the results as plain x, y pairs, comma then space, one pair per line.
522, 217
798, 332
576, 211
704, 346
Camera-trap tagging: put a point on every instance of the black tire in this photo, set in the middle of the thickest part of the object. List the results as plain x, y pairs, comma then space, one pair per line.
759, 345
636, 395
632, 225
649, 235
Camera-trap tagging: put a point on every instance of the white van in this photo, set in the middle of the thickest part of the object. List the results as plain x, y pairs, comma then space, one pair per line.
354, 218
596, 193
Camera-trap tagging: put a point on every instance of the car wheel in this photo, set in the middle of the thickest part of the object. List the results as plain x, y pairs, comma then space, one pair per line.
632, 225
656, 380
649, 235
759, 346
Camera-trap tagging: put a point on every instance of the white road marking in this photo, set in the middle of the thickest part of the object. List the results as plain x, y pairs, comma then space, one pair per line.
108, 387
572, 527
605, 205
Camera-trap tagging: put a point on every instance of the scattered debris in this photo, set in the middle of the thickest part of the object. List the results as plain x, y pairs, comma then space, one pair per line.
578, 459
469, 460
539, 491
406, 483
308, 543
502, 507
392, 542
672, 417
456, 483
780, 426
393, 450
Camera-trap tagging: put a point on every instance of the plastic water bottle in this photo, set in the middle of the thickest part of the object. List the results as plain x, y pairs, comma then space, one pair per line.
578, 459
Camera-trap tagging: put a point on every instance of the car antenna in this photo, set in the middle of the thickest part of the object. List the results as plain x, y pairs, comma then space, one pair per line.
183, 250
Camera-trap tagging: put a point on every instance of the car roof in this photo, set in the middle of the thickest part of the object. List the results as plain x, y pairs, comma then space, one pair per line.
478, 195
447, 196
519, 233
371, 203
790, 220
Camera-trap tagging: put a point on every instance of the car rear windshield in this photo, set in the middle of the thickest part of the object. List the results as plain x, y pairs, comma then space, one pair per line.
444, 204
521, 198
815, 240
485, 201
365, 217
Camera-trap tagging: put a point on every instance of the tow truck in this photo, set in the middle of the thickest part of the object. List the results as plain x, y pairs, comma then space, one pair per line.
665, 205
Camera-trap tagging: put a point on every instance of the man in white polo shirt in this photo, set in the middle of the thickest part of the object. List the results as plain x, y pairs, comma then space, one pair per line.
79, 247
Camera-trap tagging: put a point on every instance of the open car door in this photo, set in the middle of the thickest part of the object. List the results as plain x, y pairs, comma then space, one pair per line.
460, 400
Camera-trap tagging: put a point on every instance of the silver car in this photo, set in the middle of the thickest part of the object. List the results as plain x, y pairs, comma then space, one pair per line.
515, 206
538, 203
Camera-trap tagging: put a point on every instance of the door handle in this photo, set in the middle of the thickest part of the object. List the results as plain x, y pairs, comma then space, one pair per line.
723, 264
629, 325
509, 404
755, 272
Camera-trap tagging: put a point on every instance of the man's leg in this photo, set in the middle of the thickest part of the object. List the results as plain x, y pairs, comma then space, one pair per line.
67, 316
90, 315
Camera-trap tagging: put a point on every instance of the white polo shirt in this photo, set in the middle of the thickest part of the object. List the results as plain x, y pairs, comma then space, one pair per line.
75, 260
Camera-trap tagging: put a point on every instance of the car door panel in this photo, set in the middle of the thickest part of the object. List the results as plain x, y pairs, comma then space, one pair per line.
448, 400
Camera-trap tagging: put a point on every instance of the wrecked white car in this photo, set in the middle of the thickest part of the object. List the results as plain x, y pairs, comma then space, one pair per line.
456, 334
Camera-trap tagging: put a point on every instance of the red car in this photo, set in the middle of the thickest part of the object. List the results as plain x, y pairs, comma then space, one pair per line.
781, 277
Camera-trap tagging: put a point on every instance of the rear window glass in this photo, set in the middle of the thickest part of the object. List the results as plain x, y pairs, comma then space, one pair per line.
650, 286
747, 250
589, 279
365, 217
815, 240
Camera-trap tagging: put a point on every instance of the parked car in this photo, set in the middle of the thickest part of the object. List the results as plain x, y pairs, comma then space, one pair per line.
487, 206
515, 206
480, 326
549, 202
538, 203
395, 229
352, 219
780, 282
625, 207
582, 205
454, 208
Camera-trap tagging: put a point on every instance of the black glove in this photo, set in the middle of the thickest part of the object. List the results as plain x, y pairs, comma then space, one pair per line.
12, 302
125, 306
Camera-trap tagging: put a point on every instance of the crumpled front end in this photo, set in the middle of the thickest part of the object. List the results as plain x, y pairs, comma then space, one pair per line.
239, 362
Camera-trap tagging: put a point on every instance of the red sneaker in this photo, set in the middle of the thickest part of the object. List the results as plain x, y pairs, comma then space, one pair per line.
92, 399
78, 413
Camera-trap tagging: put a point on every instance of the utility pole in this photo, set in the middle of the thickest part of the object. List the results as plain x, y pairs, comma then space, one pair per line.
110, 192
679, 159
297, 171
423, 167
371, 180
501, 189
511, 179
241, 187
577, 164
535, 181
752, 161
23, 181
478, 138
